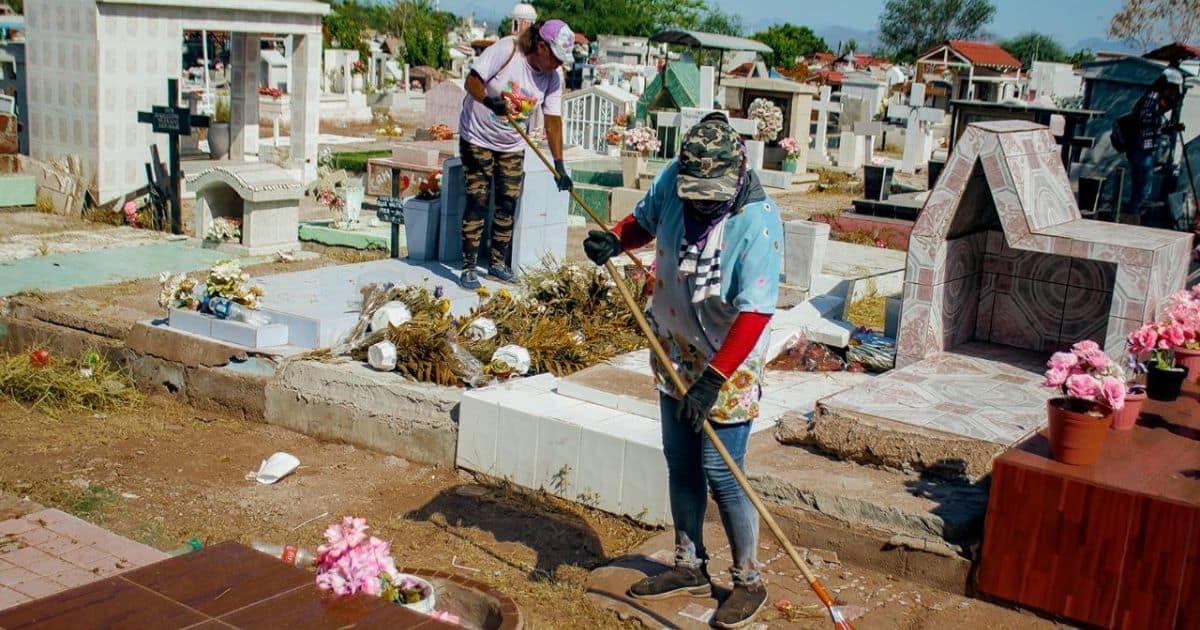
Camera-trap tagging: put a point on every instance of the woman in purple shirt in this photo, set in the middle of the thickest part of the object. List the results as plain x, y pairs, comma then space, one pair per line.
512, 78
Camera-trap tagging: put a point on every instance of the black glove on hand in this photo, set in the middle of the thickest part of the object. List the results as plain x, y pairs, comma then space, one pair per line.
600, 246
497, 104
697, 405
563, 180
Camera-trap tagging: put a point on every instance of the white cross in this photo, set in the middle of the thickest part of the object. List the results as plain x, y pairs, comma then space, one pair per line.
918, 139
824, 107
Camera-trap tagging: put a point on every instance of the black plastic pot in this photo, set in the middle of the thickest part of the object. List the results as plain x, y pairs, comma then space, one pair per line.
877, 182
1164, 385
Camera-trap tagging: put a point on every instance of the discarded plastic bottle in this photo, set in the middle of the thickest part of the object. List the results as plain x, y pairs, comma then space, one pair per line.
290, 554
228, 309
192, 545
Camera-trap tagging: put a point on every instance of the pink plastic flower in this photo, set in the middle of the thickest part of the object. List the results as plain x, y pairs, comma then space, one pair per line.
1113, 391
130, 211
1082, 386
1096, 358
1085, 346
1063, 361
1172, 336
1055, 377
350, 533
1143, 340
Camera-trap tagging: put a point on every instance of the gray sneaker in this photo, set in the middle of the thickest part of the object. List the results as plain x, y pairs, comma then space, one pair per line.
469, 279
678, 581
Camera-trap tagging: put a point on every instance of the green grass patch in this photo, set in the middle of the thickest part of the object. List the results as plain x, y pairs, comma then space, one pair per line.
356, 161
87, 503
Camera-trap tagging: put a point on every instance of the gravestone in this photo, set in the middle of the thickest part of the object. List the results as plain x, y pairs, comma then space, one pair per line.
824, 107
174, 121
263, 196
918, 137
854, 110
851, 152
444, 104
803, 251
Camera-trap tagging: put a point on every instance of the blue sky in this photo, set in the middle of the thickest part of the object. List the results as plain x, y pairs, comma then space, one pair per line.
1069, 21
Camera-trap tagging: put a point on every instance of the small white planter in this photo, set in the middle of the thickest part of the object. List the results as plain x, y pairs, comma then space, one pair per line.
425, 606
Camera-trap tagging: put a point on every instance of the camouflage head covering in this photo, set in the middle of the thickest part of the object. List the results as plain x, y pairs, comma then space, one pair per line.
710, 161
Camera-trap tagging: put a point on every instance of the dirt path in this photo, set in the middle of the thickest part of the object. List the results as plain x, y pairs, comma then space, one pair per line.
166, 473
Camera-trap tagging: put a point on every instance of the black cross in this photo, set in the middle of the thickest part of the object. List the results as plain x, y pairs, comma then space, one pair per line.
174, 121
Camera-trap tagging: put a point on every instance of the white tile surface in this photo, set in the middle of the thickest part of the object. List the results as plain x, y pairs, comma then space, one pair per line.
644, 484
557, 464
190, 321
250, 336
601, 469
478, 425
516, 447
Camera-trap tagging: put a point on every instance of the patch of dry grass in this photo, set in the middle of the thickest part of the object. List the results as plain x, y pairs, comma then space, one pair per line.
88, 383
836, 182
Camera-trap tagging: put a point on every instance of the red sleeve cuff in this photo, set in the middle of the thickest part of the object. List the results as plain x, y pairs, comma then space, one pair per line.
631, 234
742, 337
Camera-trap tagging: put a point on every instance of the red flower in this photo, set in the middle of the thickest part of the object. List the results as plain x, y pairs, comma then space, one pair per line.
39, 358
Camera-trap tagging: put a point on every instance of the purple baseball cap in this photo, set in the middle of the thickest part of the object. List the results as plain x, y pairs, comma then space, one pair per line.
560, 38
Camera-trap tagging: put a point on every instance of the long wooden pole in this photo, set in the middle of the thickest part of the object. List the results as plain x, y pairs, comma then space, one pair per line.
665, 361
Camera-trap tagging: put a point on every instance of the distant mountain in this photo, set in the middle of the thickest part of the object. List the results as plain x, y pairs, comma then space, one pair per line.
867, 39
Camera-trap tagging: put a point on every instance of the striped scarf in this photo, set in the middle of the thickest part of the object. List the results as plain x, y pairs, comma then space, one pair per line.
702, 262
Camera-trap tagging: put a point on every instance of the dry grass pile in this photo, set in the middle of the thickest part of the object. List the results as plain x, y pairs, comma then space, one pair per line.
87, 384
837, 182
869, 310
568, 318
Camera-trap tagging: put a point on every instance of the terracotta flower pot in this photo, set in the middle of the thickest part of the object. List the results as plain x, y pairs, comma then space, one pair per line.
1126, 417
1189, 360
1163, 384
1077, 429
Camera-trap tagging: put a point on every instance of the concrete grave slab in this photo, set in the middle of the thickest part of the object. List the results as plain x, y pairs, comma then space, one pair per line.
952, 413
321, 305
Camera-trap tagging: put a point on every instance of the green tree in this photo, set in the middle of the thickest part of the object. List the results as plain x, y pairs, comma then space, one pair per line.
909, 27
717, 21
641, 18
423, 31
1081, 57
1031, 47
789, 42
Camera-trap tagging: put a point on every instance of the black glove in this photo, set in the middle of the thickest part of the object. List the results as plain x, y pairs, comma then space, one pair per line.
563, 180
600, 246
697, 405
1174, 128
497, 104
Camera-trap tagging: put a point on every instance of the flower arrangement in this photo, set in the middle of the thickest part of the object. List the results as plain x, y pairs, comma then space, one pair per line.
621, 120
358, 67
224, 229
274, 92
791, 146
1086, 373
1180, 330
227, 280
178, 291
328, 183
441, 132
614, 136
642, 140
430, 187
768, 119
393, 131
352, 562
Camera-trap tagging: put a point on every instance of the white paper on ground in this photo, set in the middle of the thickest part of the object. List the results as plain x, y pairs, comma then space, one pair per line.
274, 468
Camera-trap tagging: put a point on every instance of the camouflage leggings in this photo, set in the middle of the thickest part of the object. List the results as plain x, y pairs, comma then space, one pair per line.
483, 167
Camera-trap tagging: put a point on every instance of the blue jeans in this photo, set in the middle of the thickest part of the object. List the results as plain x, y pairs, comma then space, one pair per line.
694, 467
1141, 175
